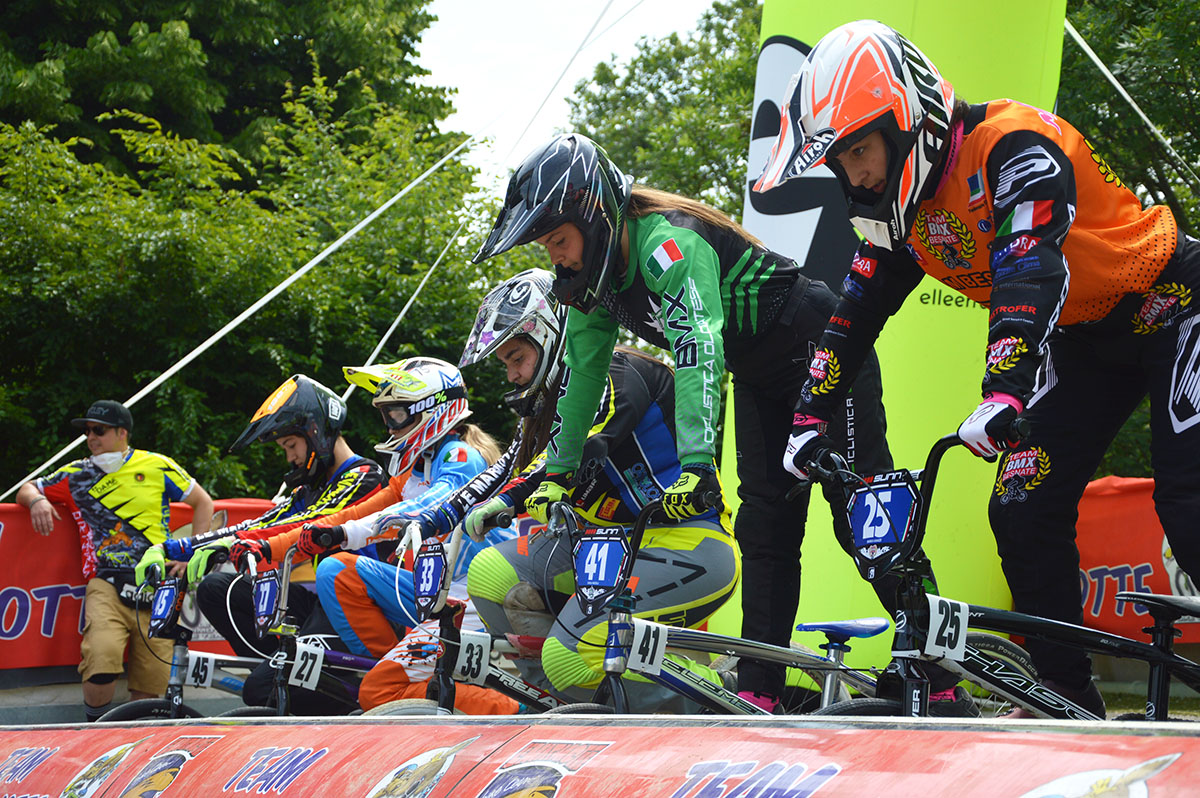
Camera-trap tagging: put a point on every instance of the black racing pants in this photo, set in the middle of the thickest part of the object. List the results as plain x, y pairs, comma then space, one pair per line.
1093, 380
769, 529
303, 606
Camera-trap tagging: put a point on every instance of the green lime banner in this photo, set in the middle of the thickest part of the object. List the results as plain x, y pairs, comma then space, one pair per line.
932, 352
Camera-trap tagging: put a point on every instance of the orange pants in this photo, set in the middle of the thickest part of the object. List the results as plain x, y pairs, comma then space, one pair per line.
405, 673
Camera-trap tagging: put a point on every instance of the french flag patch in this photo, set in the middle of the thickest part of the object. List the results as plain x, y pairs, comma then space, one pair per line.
667, 254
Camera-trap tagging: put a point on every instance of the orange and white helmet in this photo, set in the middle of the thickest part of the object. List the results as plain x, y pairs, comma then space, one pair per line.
861, 77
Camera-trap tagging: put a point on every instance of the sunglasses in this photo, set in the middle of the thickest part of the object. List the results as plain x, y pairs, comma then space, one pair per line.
99, 432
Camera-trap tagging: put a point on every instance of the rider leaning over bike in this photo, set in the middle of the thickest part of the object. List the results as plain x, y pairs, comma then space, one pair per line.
305, 419
1090, 297
683, 572
690, 280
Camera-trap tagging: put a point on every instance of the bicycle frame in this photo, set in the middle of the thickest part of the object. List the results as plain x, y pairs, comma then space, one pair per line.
917, 639
675, 676
434, 563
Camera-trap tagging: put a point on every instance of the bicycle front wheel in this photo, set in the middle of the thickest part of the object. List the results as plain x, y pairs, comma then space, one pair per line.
148, 709
1012, 656
408, 706
874, 707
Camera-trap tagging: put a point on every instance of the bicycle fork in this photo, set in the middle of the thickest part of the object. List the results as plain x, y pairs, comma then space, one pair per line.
179, 667
616, 651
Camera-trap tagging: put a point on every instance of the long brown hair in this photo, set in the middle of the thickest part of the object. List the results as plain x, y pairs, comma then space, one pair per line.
644, 200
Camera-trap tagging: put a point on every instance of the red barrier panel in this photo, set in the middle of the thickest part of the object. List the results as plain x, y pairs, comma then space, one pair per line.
1122, 547
42, 577
671, 758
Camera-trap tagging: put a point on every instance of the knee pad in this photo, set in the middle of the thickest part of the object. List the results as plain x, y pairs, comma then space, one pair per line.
565, 668
103, 678
526, 611
490, 576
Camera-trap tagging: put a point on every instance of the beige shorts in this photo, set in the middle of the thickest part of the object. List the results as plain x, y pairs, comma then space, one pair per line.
109, 627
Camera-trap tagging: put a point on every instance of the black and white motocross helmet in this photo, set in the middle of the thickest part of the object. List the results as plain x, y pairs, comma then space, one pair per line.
571, 180
523, 305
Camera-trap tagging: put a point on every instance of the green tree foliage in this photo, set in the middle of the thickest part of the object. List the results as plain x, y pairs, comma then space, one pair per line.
106, 279
1151, 48
677, 115
213, 71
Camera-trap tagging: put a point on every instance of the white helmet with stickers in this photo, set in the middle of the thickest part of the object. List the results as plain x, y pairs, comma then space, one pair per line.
524, 306
421, 399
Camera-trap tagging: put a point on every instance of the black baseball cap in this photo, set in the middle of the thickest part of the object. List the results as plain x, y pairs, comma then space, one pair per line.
106, 411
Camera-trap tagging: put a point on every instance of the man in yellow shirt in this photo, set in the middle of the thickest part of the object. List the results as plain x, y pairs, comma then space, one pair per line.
120, 499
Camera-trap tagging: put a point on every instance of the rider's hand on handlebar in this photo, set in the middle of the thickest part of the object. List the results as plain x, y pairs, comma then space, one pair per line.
153, 556
197, 566
688, 496
808, 443
482, 517
244, 549
316, 540
554, 488
987, 430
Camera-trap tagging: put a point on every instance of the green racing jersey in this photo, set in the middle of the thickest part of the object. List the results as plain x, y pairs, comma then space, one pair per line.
701, 292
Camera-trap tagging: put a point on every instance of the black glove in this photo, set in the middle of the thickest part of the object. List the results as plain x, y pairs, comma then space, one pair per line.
688, 496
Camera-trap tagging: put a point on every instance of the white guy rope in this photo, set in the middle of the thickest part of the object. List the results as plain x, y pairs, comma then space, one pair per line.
250, 311
407, 305
1121, 90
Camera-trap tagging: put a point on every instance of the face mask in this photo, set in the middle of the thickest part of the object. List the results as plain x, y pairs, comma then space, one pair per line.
109, 462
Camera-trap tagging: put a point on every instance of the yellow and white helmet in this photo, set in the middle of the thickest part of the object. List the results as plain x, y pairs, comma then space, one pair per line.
421, 399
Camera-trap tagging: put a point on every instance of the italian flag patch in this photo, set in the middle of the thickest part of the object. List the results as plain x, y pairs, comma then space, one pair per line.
1026, 216
667, 254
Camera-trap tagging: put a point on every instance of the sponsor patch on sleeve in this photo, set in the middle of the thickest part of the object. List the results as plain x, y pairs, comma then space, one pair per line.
864, 266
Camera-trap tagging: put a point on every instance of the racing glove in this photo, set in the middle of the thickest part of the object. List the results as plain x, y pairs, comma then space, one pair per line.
482, 517
687, 496
153, 556
242, 549
390, 526
198, 564
986, 431
808, 443
316, 540
554, 488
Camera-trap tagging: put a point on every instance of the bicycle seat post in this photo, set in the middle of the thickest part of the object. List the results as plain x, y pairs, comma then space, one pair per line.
1158, 686
836, 648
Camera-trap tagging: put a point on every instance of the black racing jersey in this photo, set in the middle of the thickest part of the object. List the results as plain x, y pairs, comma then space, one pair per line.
1028, 221
628, 460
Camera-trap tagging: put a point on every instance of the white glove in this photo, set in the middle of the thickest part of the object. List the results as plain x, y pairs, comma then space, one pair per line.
987, 430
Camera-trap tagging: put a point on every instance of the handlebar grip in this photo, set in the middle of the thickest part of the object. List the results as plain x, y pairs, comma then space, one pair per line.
1019, 429
503, 518
709, 499
153, 574
324, 540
